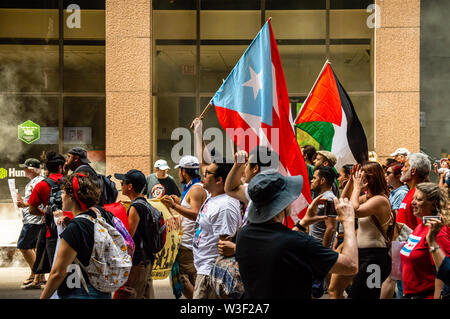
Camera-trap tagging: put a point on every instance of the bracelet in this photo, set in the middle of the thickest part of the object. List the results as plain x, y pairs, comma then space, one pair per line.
300, 227
432, 249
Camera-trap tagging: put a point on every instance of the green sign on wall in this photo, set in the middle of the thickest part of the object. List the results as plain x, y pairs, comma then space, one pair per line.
29, 132
3, 173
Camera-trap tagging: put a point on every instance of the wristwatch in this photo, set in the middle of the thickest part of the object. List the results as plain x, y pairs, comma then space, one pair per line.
300, 227
432, 249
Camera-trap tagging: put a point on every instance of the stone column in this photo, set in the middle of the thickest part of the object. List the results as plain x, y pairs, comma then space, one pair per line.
129, 122
397, 77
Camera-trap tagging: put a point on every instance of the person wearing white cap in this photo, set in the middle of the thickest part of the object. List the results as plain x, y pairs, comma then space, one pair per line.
160, 183
188, 206
400, 154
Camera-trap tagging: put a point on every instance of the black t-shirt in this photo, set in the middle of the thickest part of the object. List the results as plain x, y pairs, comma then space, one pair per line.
79, 234
139, 254
276, 262
165, 186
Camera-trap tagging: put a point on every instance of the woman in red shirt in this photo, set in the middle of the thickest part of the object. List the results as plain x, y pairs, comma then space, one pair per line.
419, 272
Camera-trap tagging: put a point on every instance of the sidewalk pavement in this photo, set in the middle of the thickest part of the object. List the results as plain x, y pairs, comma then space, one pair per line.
11, 279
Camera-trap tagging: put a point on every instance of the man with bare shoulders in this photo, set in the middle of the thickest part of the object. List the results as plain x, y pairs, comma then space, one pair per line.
188, 207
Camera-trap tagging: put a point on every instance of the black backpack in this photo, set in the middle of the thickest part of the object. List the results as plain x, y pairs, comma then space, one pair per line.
109, 190
54, 204
109, 193
155, 228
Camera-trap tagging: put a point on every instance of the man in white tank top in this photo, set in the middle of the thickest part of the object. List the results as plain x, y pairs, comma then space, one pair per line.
188, 207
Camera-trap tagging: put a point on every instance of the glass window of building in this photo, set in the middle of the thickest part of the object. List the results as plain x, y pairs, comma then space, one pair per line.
197, 44
52, 72
434, 79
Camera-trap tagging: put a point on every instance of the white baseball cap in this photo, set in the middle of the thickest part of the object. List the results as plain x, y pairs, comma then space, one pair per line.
188, 161
161, 164
400, 151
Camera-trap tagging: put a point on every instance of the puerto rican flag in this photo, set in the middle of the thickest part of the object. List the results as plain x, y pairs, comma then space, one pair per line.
254, 98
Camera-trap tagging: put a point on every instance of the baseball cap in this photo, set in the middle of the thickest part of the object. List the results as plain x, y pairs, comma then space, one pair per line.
31, 162
161, 164
400, 151
329, 156
189, 161
135, 178
270, 193
82, 154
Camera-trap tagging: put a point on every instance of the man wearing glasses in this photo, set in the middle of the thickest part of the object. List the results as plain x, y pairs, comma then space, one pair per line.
399, 190
218, 218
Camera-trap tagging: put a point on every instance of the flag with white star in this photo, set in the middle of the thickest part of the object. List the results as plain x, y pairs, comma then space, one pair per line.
254, 98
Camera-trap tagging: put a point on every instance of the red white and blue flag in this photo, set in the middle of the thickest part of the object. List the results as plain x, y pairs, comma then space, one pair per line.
254, 98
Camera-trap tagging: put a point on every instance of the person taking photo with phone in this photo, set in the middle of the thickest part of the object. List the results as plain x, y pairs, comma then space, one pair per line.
418, 269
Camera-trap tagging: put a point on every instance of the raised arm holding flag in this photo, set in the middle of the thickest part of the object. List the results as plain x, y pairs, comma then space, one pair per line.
253, 107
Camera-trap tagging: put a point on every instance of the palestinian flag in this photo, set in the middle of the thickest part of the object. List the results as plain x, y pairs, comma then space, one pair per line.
329, 117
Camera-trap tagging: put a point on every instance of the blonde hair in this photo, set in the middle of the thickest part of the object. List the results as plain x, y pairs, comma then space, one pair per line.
433, 193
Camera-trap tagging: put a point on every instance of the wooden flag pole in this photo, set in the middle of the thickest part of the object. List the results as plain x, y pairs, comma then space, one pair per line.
202, 114
307, 98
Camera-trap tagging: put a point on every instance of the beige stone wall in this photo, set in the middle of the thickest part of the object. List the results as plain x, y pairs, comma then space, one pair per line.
397, 77
129, 123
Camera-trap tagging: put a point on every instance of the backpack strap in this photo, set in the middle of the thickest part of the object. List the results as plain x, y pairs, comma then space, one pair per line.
80, 274
52, 183
378, 225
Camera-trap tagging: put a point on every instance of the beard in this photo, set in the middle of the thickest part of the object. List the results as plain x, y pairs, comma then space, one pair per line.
406, 177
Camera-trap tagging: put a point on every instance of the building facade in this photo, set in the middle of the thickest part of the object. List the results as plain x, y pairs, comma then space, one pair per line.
117, 77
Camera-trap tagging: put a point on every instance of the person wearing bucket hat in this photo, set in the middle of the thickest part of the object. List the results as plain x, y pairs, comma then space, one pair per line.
259, 160
160, 183
266, 247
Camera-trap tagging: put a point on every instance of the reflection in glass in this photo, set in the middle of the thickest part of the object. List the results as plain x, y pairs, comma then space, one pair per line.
29, 68
176, 68
84, 122
84, 68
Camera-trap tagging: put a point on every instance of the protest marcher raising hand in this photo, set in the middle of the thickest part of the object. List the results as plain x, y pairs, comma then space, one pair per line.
373, 211
441, 261
311, 214
265, 240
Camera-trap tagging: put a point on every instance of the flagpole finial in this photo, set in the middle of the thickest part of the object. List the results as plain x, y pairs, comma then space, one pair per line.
270, 18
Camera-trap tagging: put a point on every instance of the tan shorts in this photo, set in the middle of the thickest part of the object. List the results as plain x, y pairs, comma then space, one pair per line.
186, 262
202, 289
139, 284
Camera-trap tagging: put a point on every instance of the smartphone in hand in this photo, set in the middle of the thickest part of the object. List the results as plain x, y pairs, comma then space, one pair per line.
330, 209
425, 219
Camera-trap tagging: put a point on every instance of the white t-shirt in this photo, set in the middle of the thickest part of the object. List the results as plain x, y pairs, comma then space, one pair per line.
219, 215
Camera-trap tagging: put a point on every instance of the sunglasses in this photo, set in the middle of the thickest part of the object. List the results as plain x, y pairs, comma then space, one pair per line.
123, 183
208, 172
